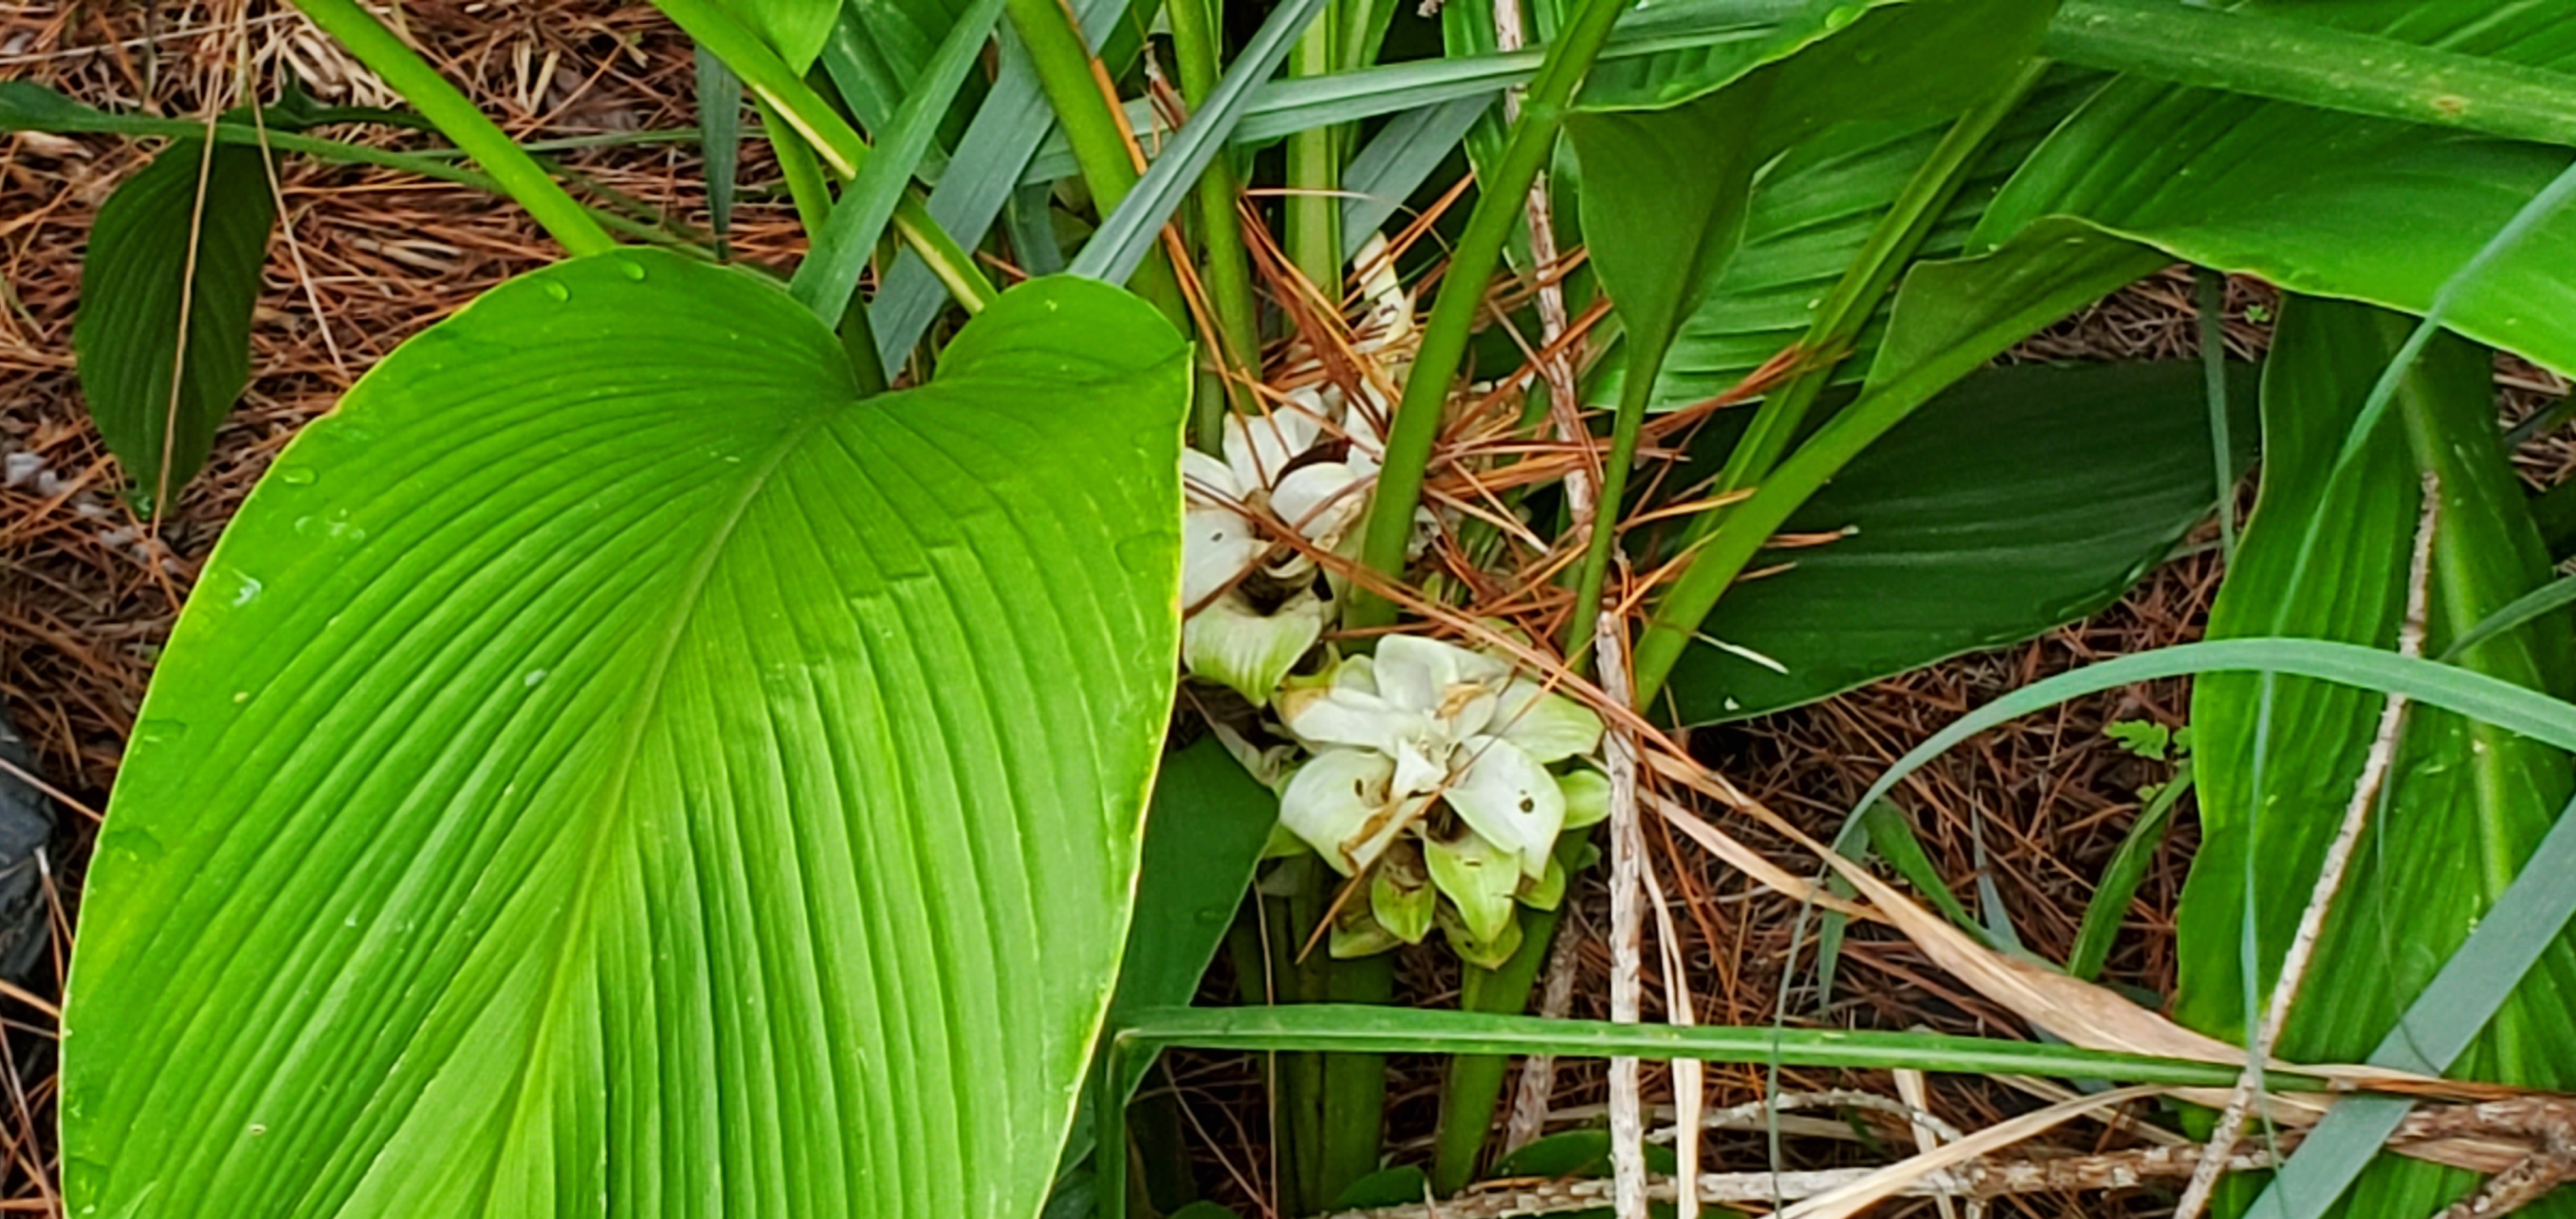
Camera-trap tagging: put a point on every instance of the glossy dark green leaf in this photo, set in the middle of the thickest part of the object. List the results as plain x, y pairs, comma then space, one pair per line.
719, 141
136, 286
2022, 499
609, 766
2329, 203
2465, 801
1203, 839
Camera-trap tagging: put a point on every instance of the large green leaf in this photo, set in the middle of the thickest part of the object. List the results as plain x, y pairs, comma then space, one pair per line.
608, 767
1811, 214
2329, 203
2465, 802
136, 287
1659, 238
793, 28
2022, 499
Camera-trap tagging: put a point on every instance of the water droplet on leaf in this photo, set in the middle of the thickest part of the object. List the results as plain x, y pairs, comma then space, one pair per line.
633, 271
296, 476
555, 289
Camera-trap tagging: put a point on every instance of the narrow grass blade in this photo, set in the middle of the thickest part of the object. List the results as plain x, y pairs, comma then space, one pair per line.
719, 142
1368, 1028
997, 145
1397, 160
1124, 239
830, 273
2121, 877
2440, 1023
2556, 594
2502, 703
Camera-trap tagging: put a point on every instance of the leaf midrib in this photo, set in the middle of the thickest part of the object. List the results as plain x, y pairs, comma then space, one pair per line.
576, 923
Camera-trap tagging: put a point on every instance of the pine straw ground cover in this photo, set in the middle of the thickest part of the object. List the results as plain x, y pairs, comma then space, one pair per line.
87, 593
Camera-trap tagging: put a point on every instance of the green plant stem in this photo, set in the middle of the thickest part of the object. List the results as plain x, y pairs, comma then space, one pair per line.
1314, 204
1473, 1085
1725, 538
797, 163
1909, 220
1597, 549
1462, 296
784, 93
1064, 67
1225, 268
1354, 1108
512, 169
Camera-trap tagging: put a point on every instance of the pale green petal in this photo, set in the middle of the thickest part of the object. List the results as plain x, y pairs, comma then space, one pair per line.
1548, 727
1401, 896
1587, 798
1412, 672
1478, 877
1357, 934
1548, 891
1481, 953
1230, 642
1509, 799
1339, 804
1259, 448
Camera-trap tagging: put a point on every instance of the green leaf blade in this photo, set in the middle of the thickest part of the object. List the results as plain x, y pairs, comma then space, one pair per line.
137, 292
607, 759
2022, 499
2327, 557
2326, 203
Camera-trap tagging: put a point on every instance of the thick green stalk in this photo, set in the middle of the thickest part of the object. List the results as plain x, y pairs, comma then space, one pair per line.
1723, 552
1354, 1109
1631, 419
1225, 269
780, 90
804, 173
1314, 203
1462, 296
1891, 246
1063, 63
1473, 1085
443, 104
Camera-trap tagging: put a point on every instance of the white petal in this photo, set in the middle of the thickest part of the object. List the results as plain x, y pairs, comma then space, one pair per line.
1217, 545
1331, 716
1479, 878
1413, 672
1548, 727
1322, 501
1417, 772
1230, 642
1207, 481
1335, 801
1510, 799
1259, 447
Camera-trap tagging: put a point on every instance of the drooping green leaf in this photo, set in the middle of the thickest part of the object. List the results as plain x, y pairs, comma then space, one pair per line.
2329, 203
2465, 801
2109, 905
137, 287
2022, 499
608, 765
